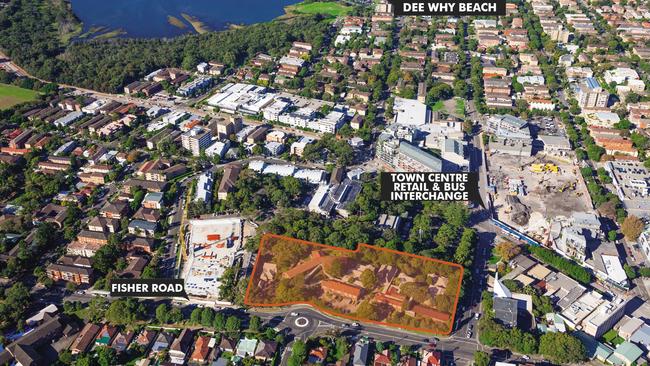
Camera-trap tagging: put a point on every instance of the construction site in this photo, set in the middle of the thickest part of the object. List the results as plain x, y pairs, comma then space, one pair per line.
529, 191
213, 245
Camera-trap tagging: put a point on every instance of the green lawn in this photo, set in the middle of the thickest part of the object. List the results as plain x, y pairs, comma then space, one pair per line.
613, 338
494, 259
330, 8
11, 95
460, 107
438, 106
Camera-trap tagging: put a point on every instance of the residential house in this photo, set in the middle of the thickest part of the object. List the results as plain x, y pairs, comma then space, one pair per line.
246, 347
115, 210
85, 339
431, 357
227, 345
360, 354
51, 213
626, 353
162, 342
265, 350
104, 224
142, 228
153, 200
180, 349
147, 214
317, 355
382, 359
145, 338
201, 350
38, 346
159, 170
230, 175
139, 244
122, 341
105, 335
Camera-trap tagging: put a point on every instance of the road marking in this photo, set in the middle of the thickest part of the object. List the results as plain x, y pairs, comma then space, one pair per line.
301, 322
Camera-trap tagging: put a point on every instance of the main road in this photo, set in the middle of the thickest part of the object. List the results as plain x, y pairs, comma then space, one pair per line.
302, 321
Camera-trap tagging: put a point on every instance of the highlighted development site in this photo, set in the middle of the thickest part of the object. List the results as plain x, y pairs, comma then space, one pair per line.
370, 284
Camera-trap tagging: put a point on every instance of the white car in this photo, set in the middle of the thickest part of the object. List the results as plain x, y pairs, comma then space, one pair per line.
525, 357
477, 315
294, 314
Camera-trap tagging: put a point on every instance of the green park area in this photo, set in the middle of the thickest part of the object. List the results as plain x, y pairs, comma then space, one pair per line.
331, 8
11, 95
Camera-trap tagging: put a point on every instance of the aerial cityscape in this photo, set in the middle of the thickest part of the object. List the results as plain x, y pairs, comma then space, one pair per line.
240, 149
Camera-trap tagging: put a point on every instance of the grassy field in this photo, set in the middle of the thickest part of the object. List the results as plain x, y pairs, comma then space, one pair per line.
11, 95
330, 8
460, 107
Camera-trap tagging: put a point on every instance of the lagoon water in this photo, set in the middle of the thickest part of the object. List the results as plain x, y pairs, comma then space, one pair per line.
149, 18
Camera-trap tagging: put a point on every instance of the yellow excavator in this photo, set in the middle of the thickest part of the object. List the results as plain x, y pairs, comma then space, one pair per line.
541, 168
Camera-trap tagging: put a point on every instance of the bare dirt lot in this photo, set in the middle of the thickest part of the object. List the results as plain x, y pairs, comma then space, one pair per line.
545, 194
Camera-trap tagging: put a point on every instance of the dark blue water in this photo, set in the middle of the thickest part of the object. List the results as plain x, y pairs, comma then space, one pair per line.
148, 18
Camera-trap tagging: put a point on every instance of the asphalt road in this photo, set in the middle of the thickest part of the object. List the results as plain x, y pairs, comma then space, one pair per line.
306, 322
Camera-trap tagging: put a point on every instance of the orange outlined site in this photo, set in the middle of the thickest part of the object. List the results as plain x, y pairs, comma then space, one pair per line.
369, 284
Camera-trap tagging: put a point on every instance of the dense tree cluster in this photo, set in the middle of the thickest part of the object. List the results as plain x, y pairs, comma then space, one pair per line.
563, 265
13, 304
36, 33
331, 149
254, 192
562, 348
495, 335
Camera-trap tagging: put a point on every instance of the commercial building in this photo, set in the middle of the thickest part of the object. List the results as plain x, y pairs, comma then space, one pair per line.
410, 112
242, 98
512, 146
400, 155
337, 197
507, 126
630, 180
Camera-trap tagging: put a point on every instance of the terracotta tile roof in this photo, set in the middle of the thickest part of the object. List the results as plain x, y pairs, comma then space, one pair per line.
428, 312
201, 349
315, 260
342, 288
